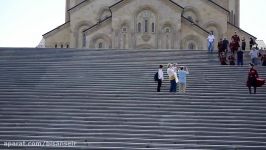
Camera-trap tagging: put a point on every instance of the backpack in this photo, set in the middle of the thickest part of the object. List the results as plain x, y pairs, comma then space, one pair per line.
156, 76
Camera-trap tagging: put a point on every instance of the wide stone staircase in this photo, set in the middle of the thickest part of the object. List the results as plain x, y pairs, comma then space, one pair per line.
107, 100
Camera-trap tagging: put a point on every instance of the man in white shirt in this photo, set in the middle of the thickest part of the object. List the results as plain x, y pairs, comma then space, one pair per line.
182, 76
254, 54
160, 77
211, 40
175, 67
171, 74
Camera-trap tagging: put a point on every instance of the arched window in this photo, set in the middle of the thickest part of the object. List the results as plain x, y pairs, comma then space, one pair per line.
124, 37
67, 46
55, 46
146, 26
166, 37
167, 30
153, 27
139, 27
62, 46
145, 20
100, 42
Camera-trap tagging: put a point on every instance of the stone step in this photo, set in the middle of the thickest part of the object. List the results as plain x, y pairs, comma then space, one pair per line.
88, 96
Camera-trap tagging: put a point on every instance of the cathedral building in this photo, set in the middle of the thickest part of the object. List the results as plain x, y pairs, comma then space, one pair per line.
145, 24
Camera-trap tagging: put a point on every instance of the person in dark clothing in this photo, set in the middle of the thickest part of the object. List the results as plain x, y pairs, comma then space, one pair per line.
234, 46
243, 44
236, 39
252, 79
160, 78
231, 59
223, 59
251, 43
225, 45
240, 56
220, 47
263, 59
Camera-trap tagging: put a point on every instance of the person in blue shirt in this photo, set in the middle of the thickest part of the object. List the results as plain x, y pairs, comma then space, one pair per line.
182, 76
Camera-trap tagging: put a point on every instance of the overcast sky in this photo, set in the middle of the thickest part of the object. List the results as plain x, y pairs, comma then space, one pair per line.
23, 22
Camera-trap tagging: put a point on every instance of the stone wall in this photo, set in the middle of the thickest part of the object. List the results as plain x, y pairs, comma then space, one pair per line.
85, 16
133, 24
59, 37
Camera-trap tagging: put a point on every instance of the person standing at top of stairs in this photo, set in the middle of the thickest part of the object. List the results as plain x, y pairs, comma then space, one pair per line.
235, 41
251, 43
211, 40
243, 44
234, 46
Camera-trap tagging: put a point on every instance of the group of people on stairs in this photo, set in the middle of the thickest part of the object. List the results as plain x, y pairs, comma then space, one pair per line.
227, 53
176, 74
230, 53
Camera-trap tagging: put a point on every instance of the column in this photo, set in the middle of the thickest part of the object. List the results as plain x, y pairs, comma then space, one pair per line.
67, 16
237, 13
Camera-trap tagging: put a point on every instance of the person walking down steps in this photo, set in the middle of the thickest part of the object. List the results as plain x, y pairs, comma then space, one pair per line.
253, 79
211, 41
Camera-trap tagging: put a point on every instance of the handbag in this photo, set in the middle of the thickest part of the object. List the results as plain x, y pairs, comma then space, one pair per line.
176, 78
260, 82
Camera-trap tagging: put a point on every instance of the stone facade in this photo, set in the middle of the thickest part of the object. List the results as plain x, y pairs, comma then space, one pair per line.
145, 24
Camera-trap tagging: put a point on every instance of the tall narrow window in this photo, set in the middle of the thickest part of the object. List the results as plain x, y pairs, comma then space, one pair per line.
84, 40
62, 46
67, 46
153, 27
139, 27
146, 26
55, 46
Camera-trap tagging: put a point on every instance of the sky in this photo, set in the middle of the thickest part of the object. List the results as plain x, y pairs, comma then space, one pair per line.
23, 22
